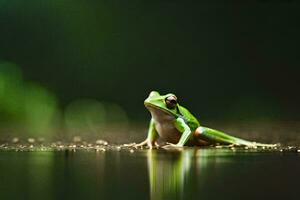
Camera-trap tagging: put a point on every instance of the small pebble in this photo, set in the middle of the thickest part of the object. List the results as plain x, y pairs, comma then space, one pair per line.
131, 151
15, 140
76, 139
100, 149
101, 142
31, 140
72, 146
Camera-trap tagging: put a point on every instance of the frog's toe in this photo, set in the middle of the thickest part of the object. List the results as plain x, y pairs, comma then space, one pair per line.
156, 145
129, 145
144, 143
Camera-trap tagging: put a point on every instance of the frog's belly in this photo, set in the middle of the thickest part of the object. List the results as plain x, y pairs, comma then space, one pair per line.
164, 125
167, 132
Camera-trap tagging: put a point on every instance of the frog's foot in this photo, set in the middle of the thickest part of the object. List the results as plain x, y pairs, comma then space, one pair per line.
261, 145
172, 146
146, 143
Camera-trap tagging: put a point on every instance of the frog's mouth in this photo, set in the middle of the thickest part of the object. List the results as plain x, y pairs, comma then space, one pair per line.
150, 106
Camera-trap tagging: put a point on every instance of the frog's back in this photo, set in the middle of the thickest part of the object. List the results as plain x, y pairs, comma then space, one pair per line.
190, 119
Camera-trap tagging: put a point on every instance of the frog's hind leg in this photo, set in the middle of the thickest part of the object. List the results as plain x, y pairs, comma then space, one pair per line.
215, 136
198, 140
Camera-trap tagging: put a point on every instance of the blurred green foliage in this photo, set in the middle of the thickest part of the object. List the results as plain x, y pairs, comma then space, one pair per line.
24, 104
90, 116
30, 108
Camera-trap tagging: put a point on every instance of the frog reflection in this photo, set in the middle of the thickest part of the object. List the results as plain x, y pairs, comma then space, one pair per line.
168, 176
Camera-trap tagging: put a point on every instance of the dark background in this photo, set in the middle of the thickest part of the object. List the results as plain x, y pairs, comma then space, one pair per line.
223, 60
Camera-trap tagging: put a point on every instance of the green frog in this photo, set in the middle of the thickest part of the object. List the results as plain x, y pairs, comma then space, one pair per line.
176, 125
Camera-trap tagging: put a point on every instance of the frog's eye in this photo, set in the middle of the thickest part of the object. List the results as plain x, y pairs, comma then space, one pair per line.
171, 102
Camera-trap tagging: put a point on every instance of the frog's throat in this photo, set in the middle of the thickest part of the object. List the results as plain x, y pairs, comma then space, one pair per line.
159, 108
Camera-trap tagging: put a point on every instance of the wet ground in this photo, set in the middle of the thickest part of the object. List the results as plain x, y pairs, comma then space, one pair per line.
33, 168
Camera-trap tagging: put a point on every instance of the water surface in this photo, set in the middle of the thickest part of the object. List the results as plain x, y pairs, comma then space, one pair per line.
150, 174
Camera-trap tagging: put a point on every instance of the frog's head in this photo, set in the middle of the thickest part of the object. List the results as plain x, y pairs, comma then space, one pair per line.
167, 103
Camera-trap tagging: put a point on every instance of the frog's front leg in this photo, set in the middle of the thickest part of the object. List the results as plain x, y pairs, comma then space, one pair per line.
151, 138
182, 127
